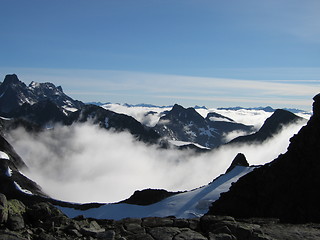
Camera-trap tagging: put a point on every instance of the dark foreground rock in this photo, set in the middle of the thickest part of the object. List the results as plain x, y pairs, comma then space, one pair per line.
43, 221
287, 188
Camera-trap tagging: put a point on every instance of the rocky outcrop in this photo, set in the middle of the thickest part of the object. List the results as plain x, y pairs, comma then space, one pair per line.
286, 188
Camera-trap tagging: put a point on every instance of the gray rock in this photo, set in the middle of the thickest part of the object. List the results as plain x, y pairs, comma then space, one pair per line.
194, 224
106, 235
139, 237
221, 236
212, 223
74, 232
181, 223
134, 228
91, 232
15, 222
164, 233
188, 234
7, 235
157, 222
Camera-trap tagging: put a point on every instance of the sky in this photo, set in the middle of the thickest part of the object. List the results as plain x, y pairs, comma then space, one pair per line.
192, 52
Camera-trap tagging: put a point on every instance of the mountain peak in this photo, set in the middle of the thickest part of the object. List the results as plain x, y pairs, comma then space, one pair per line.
239, 160
14, 93
11, 78
12, 81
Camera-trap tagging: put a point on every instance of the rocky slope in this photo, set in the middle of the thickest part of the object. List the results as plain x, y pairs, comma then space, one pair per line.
286, 188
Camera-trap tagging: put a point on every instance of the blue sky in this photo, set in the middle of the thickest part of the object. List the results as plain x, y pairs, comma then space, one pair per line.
213, 53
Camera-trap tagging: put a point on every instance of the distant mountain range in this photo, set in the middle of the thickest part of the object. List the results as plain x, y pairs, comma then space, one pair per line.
266, 109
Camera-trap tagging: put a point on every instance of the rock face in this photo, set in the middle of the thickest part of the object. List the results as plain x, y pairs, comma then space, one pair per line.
286, 188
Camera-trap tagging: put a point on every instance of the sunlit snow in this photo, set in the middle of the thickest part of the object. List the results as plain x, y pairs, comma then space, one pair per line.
190, 204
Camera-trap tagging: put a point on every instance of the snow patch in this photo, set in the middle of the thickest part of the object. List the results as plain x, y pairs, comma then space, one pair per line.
69, 109
3, 155
8, 172
218, 119
34, 85
18, 187
208, 132
182, 143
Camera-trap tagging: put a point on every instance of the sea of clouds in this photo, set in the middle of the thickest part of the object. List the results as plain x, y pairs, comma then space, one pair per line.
83, 163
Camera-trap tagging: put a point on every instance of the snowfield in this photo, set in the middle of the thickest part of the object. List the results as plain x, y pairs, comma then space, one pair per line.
189, 204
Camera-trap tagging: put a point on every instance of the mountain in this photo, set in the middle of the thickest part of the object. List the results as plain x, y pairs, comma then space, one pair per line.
144, 105
14, 94
286, 188
41, 105
266, 109
188, 125
271, 126
110, 120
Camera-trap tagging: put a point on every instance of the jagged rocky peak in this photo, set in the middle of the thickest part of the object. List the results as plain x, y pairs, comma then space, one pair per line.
12, 80
47, 85
14, 94
184, 113
239, 160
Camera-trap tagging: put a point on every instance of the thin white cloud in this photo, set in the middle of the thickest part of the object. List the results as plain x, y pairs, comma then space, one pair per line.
150, 87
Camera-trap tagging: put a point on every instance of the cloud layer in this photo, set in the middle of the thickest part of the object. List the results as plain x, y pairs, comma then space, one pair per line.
83, 163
